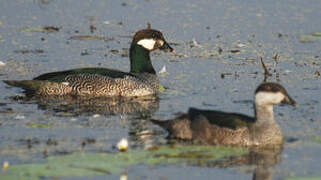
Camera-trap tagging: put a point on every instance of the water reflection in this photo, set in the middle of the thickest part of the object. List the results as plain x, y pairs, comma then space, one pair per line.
142, 133
42, 2
75, 106
263, 160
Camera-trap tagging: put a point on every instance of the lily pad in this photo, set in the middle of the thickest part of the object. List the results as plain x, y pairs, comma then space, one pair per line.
89, 164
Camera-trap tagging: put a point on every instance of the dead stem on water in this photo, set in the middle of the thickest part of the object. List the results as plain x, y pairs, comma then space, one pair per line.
266, 71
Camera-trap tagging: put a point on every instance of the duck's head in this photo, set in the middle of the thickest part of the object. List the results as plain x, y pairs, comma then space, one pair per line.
271, 94
151, 39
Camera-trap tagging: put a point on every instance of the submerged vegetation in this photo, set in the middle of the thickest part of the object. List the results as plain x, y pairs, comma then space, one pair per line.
89, 164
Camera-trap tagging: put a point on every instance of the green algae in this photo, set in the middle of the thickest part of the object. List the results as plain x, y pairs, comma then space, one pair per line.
89, 164
161, 88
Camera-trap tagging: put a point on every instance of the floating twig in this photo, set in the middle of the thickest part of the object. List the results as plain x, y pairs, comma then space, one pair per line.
266, 71
276, 57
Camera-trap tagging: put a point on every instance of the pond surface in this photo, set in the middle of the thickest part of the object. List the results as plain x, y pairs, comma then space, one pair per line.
216, 66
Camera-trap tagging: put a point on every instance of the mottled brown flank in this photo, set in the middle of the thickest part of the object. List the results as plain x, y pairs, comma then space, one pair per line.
179, 128
205, 132
200, 130
147, 34
97, 85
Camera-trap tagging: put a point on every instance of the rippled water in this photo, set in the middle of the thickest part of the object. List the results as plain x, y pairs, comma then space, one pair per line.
217, 66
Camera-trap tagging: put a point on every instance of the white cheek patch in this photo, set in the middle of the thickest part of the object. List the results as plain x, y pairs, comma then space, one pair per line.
268, 98
147, 43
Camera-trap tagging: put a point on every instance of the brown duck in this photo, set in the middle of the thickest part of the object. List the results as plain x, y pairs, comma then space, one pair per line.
222, 128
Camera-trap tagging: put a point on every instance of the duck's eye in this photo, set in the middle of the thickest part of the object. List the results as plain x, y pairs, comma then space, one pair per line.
274, 89
147, 43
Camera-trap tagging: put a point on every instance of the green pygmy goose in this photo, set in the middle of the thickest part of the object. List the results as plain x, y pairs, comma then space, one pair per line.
140, 81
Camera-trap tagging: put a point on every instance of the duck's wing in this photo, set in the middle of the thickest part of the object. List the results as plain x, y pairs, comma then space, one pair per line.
220, 118
58, 77
178, 128
61, 75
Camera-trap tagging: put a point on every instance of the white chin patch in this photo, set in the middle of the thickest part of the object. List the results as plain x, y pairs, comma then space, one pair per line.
268, 98
147, 43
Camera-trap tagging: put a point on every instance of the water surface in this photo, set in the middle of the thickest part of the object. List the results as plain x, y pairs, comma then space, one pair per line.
218, 45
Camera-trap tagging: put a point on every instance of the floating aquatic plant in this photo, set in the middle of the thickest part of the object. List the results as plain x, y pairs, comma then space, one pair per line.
88, 164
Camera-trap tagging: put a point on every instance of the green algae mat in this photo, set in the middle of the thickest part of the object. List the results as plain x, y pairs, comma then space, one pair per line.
90, 164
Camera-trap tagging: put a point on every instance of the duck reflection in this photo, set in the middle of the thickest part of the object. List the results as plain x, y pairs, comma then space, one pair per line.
263, 159
75, 106
141, 134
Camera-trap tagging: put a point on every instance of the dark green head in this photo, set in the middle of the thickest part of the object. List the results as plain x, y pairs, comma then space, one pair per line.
151, 39
145, 41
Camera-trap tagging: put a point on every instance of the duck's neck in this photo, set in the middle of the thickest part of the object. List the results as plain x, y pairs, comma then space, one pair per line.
265, 130
140, 60
263, 114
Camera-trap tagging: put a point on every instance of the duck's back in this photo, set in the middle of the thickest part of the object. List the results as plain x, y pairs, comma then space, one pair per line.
210, 127
220, 128
92, 82
221, 119
61, 75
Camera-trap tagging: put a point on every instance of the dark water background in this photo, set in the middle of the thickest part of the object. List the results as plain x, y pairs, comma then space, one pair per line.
199, 75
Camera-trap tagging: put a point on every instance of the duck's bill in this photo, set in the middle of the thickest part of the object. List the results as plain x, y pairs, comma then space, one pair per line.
289, 100
166, 47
